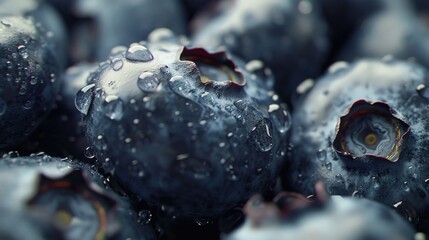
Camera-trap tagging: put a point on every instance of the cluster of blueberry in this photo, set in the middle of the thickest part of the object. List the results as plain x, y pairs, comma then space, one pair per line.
214, 119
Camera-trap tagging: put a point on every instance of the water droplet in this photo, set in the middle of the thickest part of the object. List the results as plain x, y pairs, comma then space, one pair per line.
180, 85
321, 155
240, 104
138, 53
23, 51
328, 166
261, 136
84, 98
280, 117
406, 187
335, 67
89, 153
144, 216
28, 104
6, 23
3, 107
161, 35
113, 107
423, 91
116, 64
147, 82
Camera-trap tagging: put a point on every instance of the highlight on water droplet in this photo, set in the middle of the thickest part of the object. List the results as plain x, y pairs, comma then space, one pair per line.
148, 82
113, 107
138, 53
84, 98
116, 64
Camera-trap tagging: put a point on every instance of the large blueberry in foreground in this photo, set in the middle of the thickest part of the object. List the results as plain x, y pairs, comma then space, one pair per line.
291, 216
184, 128
363, 129
28, 79
68, 197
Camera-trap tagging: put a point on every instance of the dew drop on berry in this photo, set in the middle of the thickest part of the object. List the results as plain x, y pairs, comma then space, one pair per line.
89, 153
6, 23
23, 51
321, 155
261, 136
84, 98
180, 85
161, 35
280, 117
138, 53
3, 107
147, 82
423, 91
116, 64
113, 107
335, 67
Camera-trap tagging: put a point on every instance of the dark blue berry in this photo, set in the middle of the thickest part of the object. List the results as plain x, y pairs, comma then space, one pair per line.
29, 79
183, 128
361, 128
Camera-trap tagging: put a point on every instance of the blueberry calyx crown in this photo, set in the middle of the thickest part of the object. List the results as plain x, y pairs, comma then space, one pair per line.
370, 129
86, 214
215, 68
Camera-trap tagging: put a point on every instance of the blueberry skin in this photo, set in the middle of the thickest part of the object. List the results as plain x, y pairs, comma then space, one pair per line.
170, 133
28, 79
69, 196
46, 18
290, 37
95, 30
313, 157
339, 219
61, 134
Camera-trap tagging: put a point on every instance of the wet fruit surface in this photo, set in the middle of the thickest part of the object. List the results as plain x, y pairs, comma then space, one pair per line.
213, 124
368, 142
144, 119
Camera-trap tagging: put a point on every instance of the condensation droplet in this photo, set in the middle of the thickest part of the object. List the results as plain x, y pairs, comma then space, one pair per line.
423, 91
180, 85
321, 155
89, 153
6, 23
116, 64
280, 117
261, 136
335, 67
84, 98
147, 82
113, 107
138, 53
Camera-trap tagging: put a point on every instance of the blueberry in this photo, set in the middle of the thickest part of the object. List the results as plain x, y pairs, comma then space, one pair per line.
290, 37
184, 128
28, 80
291, 216
70, 195
96, 26
361, 128
407, 41
46, 18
